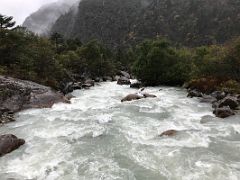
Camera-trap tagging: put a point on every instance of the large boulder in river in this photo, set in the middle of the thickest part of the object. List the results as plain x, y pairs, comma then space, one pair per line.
16, 95
9, 143
223, 112
169, 133
131, 97
230, 101
123, 81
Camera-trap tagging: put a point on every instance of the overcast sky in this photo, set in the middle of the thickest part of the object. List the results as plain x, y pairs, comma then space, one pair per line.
20, 9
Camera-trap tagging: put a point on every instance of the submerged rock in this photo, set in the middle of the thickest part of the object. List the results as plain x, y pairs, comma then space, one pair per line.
223, 112
146, 95
169, 133
208, 99
9, 143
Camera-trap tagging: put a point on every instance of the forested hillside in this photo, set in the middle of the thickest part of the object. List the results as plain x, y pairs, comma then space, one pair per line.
124, 22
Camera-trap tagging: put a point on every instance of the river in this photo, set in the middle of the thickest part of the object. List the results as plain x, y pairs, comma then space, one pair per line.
97, 137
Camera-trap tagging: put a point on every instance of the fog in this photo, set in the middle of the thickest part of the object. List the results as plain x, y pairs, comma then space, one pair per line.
20, 9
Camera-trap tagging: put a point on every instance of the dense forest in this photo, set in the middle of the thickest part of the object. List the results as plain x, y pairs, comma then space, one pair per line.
121, 23
51, 60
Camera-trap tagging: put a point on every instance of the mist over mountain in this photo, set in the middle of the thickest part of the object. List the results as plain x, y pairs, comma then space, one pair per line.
42, 20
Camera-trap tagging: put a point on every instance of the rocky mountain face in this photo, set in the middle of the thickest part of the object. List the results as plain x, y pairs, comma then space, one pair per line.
123, 22
42, 20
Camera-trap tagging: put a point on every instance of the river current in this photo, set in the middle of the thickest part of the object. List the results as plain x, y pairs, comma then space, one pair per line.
97, 137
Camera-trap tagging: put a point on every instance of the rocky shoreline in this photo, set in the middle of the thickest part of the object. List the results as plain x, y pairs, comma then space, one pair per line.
17, 95
224, 104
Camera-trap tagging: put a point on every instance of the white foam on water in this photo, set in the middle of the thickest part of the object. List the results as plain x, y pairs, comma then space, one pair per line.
98, 137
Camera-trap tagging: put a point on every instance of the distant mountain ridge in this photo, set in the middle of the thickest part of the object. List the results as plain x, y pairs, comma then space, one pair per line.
41, 21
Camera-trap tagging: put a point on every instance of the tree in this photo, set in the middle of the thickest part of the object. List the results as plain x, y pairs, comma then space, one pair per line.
6, 22
157, 62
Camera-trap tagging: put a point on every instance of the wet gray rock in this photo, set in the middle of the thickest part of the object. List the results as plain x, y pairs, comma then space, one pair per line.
16, 95
123, 81
116, 78
107, 78
9, 143
90, 81
98, 79
223, 112
230, 101
219, 95
131, 97
124, 74
77, 86
146, 95
194, 93
169, 133
136, 85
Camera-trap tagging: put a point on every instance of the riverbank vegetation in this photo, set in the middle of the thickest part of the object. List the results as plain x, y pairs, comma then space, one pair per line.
206, 68
50, 60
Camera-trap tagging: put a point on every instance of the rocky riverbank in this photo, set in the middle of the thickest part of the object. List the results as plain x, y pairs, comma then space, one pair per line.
17, 95
224, 104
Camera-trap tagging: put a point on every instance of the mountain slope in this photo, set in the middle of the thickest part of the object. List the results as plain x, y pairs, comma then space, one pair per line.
123, 22
42, 20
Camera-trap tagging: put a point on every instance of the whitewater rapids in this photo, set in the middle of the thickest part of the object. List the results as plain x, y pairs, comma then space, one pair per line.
97, 137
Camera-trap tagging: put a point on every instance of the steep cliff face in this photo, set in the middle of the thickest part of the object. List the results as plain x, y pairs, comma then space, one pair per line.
124, 22
42, 21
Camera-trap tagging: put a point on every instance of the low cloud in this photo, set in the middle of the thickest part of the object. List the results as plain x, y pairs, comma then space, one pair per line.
20, 9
